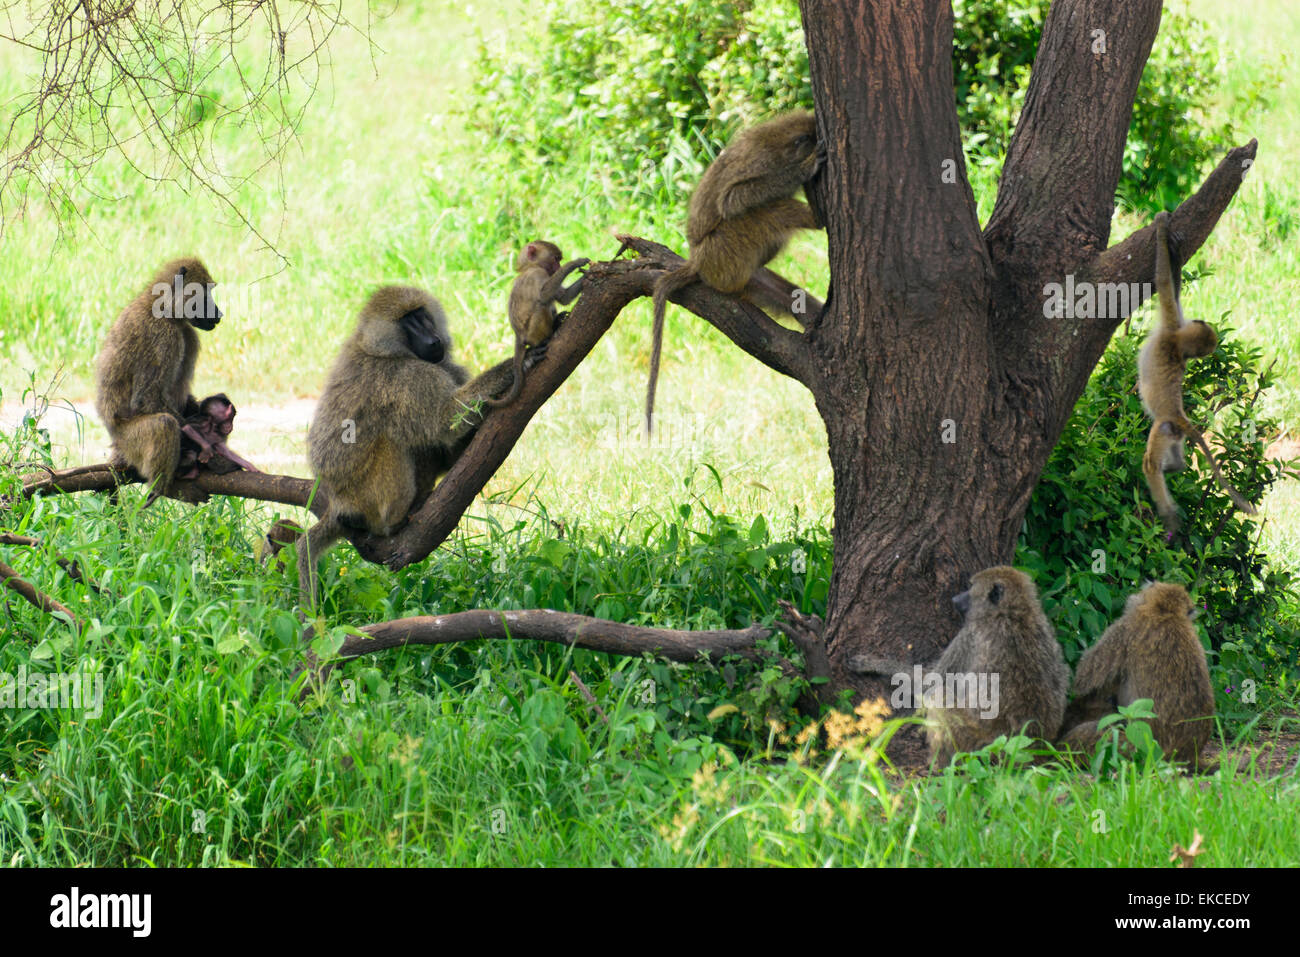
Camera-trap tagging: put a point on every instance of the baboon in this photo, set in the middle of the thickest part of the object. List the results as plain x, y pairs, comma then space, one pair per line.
1162, 365
203, 440
1005, 634
145, 371
284, 531
741, 214
1151, 652
395, 415
536, 290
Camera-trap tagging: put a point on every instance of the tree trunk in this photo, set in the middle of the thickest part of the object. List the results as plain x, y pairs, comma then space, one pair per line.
943, 387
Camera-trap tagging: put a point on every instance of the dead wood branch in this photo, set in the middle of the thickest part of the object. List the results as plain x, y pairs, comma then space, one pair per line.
44, 602
70, 567
563, 628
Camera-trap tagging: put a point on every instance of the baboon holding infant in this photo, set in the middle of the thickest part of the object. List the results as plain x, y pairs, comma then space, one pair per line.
145, 371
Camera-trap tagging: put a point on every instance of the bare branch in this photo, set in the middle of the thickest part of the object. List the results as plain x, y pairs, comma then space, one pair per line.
70, 567
563, 628
1134, 259
44, 602
784, 350
135, 80
262, 486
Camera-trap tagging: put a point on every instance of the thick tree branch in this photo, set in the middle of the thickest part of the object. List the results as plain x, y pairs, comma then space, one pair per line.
261, 486
1190, 225
563, 628
1057, 193
748, 326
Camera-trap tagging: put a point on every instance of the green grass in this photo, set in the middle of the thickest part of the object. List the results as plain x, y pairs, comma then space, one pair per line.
488, 753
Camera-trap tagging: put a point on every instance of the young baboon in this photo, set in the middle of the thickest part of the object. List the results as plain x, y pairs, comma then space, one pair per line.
145, 370
741, 215
203, 440
395, 415
1005, 634
1162, 365
1151, 652
536, 290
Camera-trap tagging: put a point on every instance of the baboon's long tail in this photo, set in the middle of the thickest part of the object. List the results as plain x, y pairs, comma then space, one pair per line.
519, 377
665, 286
1237, 498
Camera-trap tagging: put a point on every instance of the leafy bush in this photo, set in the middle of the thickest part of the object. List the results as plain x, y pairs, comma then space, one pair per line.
1092, 537
654, 88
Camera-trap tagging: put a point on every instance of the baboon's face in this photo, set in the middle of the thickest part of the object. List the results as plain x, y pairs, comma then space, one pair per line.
988, 590
542, 253
425, 335
221, 413
187, 295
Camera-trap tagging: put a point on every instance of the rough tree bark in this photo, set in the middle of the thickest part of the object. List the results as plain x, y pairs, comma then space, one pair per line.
935, 330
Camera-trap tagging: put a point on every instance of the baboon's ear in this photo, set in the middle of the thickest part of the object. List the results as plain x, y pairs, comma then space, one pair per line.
180, 276
995, 594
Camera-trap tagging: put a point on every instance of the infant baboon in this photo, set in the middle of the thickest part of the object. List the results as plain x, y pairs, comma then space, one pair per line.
1162, 365
741, 215
1151, 652
395, 415
145, 370
203, 440
1005, 634
536, 290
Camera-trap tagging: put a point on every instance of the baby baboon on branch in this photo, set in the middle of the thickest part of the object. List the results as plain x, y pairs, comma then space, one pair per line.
536, 290
1161, 368
395, 415
741, 215
203, 440
1005, 635
1151, 652
145, 371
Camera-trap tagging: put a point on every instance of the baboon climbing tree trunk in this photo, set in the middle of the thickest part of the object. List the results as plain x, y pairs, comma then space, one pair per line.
942, 385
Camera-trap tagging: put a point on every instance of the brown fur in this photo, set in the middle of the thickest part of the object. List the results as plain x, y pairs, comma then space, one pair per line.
203, 440
1162, 366
408, 419
1007, 634
537, 287
741, 215
1151, 652
145, 372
